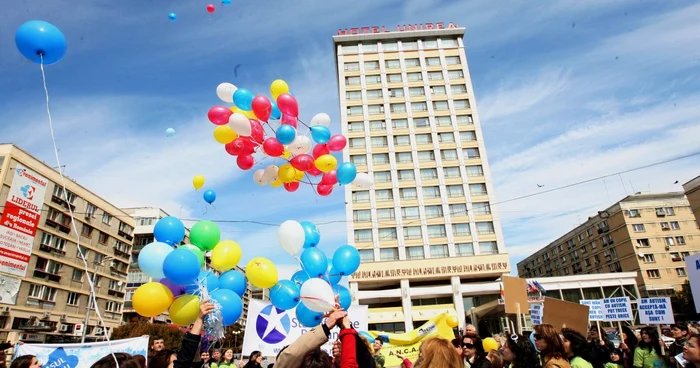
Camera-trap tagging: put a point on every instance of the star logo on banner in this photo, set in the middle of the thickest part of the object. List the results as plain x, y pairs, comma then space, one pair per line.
272, 325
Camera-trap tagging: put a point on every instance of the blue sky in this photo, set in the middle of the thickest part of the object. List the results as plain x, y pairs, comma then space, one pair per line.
566, 90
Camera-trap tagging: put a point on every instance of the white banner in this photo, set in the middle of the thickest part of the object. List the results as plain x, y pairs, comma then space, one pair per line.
655, 311
617, 309
81, 355
536, 313
269, 329
692, 266
595, 309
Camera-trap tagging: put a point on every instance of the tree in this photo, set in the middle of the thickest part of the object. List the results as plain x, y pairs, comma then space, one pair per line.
172, 336
684, 304
233, 339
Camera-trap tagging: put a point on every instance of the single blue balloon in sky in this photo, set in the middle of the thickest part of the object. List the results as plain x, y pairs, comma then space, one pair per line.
346, 173
37, 40
169, 230
226, 2
243, 99
286, 133
311, 234
209, 196
172, 16
169, 132
346, 260
152, 257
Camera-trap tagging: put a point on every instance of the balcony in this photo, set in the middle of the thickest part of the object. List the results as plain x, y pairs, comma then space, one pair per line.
41, 274
125, 235
121, 254
115, 292
117, 272
49, 249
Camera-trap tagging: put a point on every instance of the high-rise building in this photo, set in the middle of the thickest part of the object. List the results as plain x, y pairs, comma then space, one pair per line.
650, 234
692, 191
427, 225
44, 289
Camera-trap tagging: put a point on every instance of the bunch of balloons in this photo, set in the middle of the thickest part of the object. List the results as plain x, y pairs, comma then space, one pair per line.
256, 126
183, 277
313, 289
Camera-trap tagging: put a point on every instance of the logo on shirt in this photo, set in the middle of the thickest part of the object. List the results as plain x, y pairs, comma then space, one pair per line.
272, 324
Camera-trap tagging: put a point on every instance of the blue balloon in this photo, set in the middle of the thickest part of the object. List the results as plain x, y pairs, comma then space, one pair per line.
172, 16
226, 2
152, 257
235, 281
37, 38
169, 230
169, 132
332, 277
311, 234
285, 295
231, 305
205, 278
276, 113
320, 134
286, 134
346, 173
209, 196
344, 297
315, 262
181, 267
243, 99
346, 260
300, 277
307, 317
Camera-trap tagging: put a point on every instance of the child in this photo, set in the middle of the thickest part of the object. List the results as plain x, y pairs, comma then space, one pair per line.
615, 359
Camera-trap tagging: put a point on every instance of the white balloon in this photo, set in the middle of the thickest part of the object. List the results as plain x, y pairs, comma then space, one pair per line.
363, 180
300, 145
240, 124
259, 177
225, 91
317, 295
271, 173
321, 119
291, 237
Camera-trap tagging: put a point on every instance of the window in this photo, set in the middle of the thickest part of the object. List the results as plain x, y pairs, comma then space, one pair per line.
680, 272
414, 77
412, 62
430, 44
106, 218
669, 241
669, 211
390, 46
409, 45
461, 104
455, 191
402, 140
653, 274
86, 231
452, 60
406, 175
458, 89
638, 228
431, 192
398, 107
664, 226
440, 105
488, 247
371, 65
374, 94
455, 74
387, 233
471, 153
392, 64
354, 110
426, 156
367, 48
433, 211
412, 232
461, 229
439, 251
443, 120
375, 109
451, 172
415, 252
680, 240
353, 95
404, 157
380, 158
408, 193
476, 170
449, 42
382, 176
357, 142
77, 274
435, 75
113, 307
464, 249
485, 228
633, 213
410, 213
357, 126
386, 214
428, 174
419, 106
73, 299
352, 66
458, 209
675, 225
432, 61
416, 91
42, 292
388, 254
399, 123
421, 122
351, 49
641, 243
424, 139
464, 120
438, 90
352, 81
446, 137
377, 125
469, 136
481, 208
366, 255
394, 78
364, 235
649, 258
90, 210
449, 155
396, 92
360, 197
373, 79
478, 189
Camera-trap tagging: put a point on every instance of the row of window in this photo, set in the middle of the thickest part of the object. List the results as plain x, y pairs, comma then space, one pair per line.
400, 107
477, 189
675, 257
430, 212
389, 46
90, 210
420, 139
660, 212
417, 156
427, 192
408, 63
41, 293
418, 122
656, 274
434, 251
378, 94
672, 225
56, 244
416, 232
396, 78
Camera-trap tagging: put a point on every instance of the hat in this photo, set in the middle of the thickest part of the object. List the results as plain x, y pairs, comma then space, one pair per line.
680, 326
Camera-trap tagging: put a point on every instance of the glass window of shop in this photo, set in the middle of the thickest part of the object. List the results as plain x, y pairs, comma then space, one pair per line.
572, 295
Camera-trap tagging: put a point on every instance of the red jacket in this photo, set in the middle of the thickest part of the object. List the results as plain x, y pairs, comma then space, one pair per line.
348, 359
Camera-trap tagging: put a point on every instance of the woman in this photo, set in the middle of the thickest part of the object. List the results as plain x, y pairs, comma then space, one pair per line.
520, 353
628, 344
437, 353
548, 342
190, 344
473, 352
648, 353
457, 344
253, 361
496, 359
225, 362
356, 351
26, 361
124, 361
576, 348
600, 347
691, 351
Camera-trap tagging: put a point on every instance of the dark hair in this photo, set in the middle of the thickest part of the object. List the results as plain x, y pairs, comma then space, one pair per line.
555, 348
124, 360
524, 351
156, 338
363, 354
270, 365
457, 343
578, 344
316, 358
161, 359
681, 326
22, 362
654, 343
631, 341
254, 355
602, 335
478, 345
381, 341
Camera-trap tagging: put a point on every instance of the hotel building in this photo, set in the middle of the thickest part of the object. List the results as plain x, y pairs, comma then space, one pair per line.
427, 225
650, 234
44, 289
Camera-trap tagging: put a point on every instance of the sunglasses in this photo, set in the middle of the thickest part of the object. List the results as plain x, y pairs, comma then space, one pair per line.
537, 336
468, 346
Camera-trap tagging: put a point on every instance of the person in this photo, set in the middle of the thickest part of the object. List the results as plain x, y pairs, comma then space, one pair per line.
436, 352
336, 353
520, 353
355, 352
470, 329
457, 344
190, 343
496, 359
205, 360
26, 361
157, 345
215, 356
405, 363
226, 361
292, 356
679, 332
473, 352
615, 360
548, 342
576, 348
378, 357
123, 360
253, 360
600, 347
691, 352
628, 344
648, 353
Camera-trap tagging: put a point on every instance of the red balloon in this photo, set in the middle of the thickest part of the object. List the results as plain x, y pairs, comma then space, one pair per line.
288, 105
272, 147
262, 107
257, 133
320, 150
236, 147
324, 189
314, 171
249, 145
211, 8
329, 178
219, 115
302, 162
289, 120
245, 162
337, 142
291, 187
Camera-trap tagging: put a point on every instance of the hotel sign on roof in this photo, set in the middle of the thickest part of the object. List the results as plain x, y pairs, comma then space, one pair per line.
399, 28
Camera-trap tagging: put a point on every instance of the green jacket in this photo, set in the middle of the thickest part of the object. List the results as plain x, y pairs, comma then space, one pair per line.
578, 362
644, 358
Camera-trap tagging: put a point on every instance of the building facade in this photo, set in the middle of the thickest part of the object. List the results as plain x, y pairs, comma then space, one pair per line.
650, 234
45, 293
692, 192
407, 107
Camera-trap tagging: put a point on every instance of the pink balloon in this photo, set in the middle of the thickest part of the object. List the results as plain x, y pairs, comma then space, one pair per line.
245, 162
272, 147
324, 189
289, 120
320, 150
262, 107
219, 115
314, 171
337, 142
257, 133
291, 187
302, 162
329, 178
288, 105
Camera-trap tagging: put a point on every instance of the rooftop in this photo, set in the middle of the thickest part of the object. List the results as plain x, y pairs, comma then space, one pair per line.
368, 33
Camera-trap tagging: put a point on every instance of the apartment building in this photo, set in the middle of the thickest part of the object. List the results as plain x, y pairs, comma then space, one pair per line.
692, 191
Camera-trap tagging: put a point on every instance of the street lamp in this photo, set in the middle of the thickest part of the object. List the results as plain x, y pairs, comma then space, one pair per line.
87, 313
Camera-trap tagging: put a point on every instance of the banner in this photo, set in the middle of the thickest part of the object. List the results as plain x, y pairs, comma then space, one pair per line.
407, 344
692, 266
269, 329
81, 355
595, 309
655, 311
9, 288
617, 309
20, 219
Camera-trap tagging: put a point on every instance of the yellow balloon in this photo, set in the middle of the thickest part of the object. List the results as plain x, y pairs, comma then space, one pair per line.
286, 173
298, 175
225, 255
261, 272
452, 321
278, 87
198, 182
152, 299
286, 154
184, 310
224, 134
489, 344
276, 183
326, 163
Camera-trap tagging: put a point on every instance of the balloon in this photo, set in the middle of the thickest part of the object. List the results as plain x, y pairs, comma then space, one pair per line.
219, 115
453, 322
259, 177
291, 237
489, 343
276, 183
285, 295
205, 235
169, 132
245, 162
240, 123
332, 277
151, 259
257, 133
205, 278
209, 196
40, 42
225, 255
262, 107
169, 230
152, 299
288, 105
314, 261
290, 120
286, 154
224, 134
320, 150
286, 134
272, 147
314, 171
261, 272
302, 162
311, 234
317, 295
184, 310
307, 317
300, 277
239, 146
301, 145
177, 290
363, 180
211, 8
172, 16
324, 189
235, 281
337, 143
243, 99
320, 134
231, 305
197, 252
326, 163
226, 2
278, 87
271, 173
346, 260
225, 91
321, 119
346, 173
329, 178
276, 113
181, 267
291, 187
344, 297
197, 183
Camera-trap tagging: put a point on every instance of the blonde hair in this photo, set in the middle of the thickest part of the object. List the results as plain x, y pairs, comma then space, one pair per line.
496, 359
439, 353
